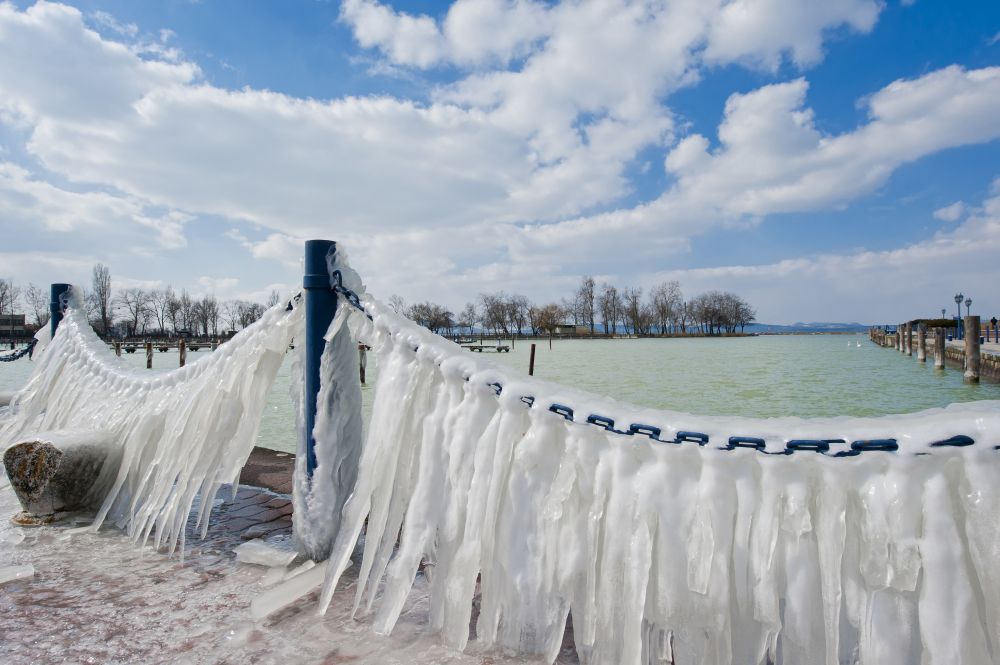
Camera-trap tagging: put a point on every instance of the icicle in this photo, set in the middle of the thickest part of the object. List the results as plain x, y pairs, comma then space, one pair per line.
183, 433
664, 552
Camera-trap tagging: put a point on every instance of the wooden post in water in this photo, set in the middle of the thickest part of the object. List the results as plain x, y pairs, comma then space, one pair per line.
908, 339
531, 361
939, 348
182, 352
922, 342
972, 357
149, 355
118, 349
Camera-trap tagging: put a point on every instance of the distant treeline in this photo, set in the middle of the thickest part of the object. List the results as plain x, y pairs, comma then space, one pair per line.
603, 309
135, 311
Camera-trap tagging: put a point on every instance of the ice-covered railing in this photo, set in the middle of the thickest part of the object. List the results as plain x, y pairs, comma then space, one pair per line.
183, 433
664, 539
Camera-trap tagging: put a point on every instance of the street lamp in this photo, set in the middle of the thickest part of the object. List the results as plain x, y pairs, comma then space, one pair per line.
958, 320
968, 304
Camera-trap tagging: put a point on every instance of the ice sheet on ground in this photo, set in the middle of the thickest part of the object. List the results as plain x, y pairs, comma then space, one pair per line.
664, 552
96, 599
11, 573
260, 553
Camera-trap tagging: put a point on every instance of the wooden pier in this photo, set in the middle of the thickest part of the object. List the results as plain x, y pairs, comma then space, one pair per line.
479, 348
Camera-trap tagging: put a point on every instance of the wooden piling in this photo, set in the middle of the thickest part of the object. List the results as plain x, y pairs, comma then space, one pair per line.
939, 335
899, 337
182, 352
531, 361
922, 342
149, 355
908, 339
972, 357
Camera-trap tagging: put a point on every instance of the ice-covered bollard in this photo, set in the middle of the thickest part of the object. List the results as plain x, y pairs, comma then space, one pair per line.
62, 471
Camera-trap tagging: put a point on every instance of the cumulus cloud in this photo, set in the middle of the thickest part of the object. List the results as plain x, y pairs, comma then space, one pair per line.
512, 173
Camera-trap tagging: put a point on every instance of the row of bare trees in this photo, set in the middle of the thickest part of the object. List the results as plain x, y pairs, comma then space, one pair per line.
662, 310
136, 311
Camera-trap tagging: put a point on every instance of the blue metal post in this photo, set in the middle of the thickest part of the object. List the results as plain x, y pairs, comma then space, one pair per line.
55, 305
321, 305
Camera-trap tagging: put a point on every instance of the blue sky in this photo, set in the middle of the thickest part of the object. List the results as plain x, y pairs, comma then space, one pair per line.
828, 160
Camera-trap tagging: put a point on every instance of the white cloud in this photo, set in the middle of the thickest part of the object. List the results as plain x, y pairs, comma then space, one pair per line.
951, 213
761, 31
911, 281
27, 202
772, 158
493, 182
218, 285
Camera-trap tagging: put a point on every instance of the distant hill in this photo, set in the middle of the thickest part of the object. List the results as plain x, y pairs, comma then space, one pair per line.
814, 327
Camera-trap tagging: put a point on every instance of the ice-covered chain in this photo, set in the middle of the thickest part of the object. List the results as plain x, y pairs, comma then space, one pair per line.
821, 446
26, 351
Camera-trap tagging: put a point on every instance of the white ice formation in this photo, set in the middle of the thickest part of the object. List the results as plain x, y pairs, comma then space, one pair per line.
665, 552
184, 433
319, 499
659, 552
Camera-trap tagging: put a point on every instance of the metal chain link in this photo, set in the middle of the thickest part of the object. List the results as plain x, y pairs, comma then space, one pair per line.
26, 351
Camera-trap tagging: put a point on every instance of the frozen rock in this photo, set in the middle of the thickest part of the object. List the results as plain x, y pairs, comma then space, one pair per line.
260, 553
62, 470
11, 573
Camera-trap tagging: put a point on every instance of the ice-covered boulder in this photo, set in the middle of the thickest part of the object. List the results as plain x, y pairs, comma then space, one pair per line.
62, 471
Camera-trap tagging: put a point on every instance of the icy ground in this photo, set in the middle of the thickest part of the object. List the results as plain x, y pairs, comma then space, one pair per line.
95, 598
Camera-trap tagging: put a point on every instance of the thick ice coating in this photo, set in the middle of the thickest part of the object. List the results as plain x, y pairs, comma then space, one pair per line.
183, 433
667, 552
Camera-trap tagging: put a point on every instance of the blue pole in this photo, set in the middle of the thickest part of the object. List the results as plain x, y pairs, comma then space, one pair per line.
321, 305
55, 305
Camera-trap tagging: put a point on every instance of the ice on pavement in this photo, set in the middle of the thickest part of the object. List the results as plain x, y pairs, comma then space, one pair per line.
260, 553
10, 573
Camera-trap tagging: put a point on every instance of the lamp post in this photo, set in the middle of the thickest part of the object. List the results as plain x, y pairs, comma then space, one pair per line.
958, 320
968, 305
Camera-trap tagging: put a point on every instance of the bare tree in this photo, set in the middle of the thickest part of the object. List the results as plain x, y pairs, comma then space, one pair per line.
159, 306
397, 304
273, 299
435, 318
38, 301
469, 317
585, 298
231, 313
666, 298
135, 303
609, 303
494, 312
548, 318
101, 298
